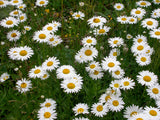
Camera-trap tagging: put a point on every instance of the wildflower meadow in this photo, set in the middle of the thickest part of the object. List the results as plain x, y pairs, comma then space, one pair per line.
79, 59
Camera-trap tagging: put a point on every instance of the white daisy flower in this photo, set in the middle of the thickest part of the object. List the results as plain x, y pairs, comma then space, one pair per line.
127, 83
114, 53
104, 98
118, 6
156, 2
41, 3
98, 109
114, 92
132, 20
45, 75
92, 66
3, 3
101, 31
129, 36
27, 28
36, 72
54, 40
16, 2
143, 59
139, 116
155, 33
47, 114
116, 85
149, 51
13, 35
118, 73
15, 13
115, 42
157, 101
50, 27
88, 41
80, 108
41, 36
9, 22
139, 48
143, 3
155, 13
132, 110
96, 74
147, 78
49, 103
122, 19
78, 15
140, 39
154, 91
138, 12
4, 77
13, 53
50, 64
56, 24
23, 85
149, 23
79, 57
21, 6
22, 17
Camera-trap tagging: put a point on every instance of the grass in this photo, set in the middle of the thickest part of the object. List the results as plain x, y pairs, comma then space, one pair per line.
17, 106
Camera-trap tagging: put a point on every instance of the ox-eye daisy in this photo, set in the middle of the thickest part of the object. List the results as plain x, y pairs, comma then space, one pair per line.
3, 3
80, 108
4, 77
118, 6
127, 83
154, 91
143, 3
143, 59
49, 103
102, 30
88, 41
41, 2
36, 72
116, 85
155, 33
149, 23
96, 74
118, 73
13, 35
115, 42
78, 15
138, 12
45, 75
9, 22
41, 36
122, 19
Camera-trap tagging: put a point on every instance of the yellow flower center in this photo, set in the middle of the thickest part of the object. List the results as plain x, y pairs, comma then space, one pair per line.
147, 78
47, 114
20, 7
9, 22
1, 2
126, 83
131, 20
13, 35
88, 52
116, 85
50, 63
41, 2
148, 51
143, 3
99, 108
138, 12
21, 17
153, 112
51, 39
133, 113
114, 53
49, 28
37, 71
96, 72
140, 47
157, 1
111, 64
101, 31
149, 23
15, 12
23, 52
117, 72
45, 75
143, 59
139, 40
115, 103
157, 33
96, 20
15, 1
80, 110
42, 36
118, 6
139, 119
47, 104
71, 85
123, 19
89, 41
92, 66
66, 71
23, 85
115, 41
78, 15
107, 98
155, 90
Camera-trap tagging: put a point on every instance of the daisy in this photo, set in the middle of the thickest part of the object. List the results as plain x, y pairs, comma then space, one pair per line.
138, 12
132, 110
57, 42
88, 41
50, 64
21, 6
71, 86
143, 59
101, 31
36, 72
15, 13
118, 73
156, 2
143, 3
127, 83
13, 53
16, 2
79, 57
44, 76
115, 42
9, 22
154, 91
132, 20
96, 74
56, 24
92, 66
114, 53
110, 64
65, 71
116, 85
96, 21
22, 17
81, 118
98, 109
54, 40
89, 52
78, 15
27, 28
155, 33
24, 53
149, 51
104, 98
139, 116
47, 114
23, 85
80, 108
4, 77
49, 103
113, 92
41, 36
152, 113
3, 3
118, 6
139, 48
140, 39
13, 35
155, 13
115, 104
147, 78
122, 19
41, 3
157, 101
50, 27
129, 36
149, 23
